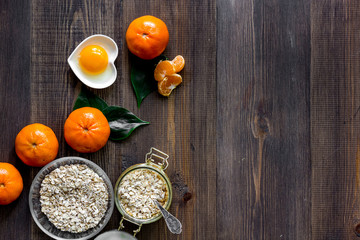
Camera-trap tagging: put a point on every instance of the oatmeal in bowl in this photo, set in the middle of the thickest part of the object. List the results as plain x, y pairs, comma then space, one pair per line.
74, 198
71, 198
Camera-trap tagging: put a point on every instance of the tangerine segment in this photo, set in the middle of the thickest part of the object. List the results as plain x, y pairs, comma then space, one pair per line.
170, 82
11, 183
86, 130
93, 59
36, 145
147, 37
163, 68
179, 63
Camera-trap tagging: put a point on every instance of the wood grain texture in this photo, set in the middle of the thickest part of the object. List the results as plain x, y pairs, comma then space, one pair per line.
14, 105
183, 125
335, 100
263, 90
263, 133
56, 29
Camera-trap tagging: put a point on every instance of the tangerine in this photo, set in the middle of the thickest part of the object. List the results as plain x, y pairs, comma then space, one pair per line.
11, 183
147, 37
163, 68
36, 145
170, 82
165, 74
179, 63
86, 130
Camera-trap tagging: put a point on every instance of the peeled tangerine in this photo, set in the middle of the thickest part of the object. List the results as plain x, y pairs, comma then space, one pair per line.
166, 74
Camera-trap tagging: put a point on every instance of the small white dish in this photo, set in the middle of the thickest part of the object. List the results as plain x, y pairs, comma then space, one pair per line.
104, 79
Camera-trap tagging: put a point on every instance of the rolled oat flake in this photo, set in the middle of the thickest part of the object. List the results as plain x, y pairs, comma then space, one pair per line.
74, 198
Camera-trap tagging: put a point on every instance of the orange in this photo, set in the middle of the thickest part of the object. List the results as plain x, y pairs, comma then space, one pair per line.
11, 183
147, 37
170, 82
165, 74
179, 63
86, 130
36, 145
162, 69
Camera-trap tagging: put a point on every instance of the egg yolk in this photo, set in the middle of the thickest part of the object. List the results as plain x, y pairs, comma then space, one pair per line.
93, 59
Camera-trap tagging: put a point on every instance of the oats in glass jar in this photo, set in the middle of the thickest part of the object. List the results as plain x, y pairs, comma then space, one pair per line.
138, 189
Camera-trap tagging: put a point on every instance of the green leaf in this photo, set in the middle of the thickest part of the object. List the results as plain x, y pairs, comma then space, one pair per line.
142, 76
122, 122
89, 99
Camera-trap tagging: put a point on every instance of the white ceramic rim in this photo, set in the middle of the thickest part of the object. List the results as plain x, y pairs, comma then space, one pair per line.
112, 59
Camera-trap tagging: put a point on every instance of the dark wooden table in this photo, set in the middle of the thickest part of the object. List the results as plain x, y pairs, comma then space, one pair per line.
263, 133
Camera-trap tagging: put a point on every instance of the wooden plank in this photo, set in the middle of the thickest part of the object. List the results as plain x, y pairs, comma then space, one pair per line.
263, 151
57, 27
335, 99
271, 183
14, 107
182, 125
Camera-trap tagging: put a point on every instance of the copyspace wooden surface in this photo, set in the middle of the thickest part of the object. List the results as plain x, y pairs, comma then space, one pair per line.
263, 133
263, 110
14, 94
335, 122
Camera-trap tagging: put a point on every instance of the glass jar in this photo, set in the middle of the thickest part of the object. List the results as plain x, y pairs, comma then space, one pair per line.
157, 162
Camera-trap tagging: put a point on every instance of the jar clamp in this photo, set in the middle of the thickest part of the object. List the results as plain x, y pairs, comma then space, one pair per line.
156, 161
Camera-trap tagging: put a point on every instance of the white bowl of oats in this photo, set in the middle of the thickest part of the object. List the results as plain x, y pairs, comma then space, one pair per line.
71, 198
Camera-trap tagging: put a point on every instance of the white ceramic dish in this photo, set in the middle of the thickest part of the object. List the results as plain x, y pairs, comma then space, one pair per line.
104, 79
42, 221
